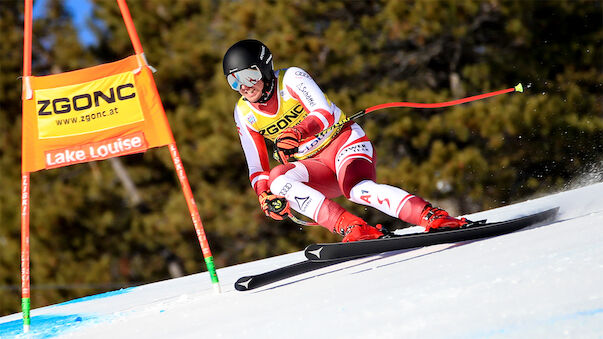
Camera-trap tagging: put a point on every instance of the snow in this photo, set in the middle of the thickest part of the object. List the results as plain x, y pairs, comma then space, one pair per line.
541, 282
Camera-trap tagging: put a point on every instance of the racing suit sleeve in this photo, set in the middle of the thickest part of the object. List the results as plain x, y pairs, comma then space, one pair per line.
254, 148
322, 114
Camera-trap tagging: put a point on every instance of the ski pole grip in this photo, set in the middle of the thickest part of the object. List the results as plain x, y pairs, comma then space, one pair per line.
277, 205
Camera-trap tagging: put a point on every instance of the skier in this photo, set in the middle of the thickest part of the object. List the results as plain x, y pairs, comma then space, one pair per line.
288, 108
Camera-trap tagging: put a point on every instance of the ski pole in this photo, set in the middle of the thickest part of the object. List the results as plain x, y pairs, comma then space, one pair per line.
517, 88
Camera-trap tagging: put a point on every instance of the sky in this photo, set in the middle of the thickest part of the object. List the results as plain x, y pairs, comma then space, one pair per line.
81, 11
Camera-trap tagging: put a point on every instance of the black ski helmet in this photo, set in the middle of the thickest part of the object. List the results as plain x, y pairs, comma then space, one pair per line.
247, 53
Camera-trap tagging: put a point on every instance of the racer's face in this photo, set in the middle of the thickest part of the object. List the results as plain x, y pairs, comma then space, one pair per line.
253, 93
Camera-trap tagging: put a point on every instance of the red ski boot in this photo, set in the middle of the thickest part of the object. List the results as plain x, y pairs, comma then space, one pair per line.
433, 218
354, 228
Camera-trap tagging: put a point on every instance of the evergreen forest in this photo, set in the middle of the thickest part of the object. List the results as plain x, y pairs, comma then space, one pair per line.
105, 225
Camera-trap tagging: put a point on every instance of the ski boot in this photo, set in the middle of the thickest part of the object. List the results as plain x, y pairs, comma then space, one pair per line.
433, 218
354, 228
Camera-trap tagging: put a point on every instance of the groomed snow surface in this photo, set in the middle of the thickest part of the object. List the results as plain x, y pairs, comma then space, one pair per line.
545, 281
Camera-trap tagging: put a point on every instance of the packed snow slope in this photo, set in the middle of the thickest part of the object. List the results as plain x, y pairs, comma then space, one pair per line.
541, 282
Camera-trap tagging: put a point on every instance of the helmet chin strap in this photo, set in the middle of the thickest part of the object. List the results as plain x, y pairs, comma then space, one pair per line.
267, 91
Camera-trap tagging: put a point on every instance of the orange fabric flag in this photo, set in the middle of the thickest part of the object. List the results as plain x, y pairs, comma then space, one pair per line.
91, 114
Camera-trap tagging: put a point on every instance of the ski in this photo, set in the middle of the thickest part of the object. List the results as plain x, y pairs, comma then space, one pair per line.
254, 281
474, 230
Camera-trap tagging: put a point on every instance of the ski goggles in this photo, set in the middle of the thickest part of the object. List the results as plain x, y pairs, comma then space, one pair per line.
248, 77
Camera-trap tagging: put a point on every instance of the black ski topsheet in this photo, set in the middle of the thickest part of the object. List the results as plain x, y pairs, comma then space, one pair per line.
337, 251
254, 281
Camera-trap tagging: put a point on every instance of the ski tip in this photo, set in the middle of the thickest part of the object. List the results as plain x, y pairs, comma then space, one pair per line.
519, 88
552, 212
243, 284
313, 252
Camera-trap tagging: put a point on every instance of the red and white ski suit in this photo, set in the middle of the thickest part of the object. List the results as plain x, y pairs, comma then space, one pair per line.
341, 162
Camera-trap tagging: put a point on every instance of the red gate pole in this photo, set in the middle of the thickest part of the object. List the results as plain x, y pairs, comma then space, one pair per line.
186, 189
25, 269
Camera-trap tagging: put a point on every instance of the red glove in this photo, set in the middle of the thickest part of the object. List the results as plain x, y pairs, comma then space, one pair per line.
287, 143
274, 206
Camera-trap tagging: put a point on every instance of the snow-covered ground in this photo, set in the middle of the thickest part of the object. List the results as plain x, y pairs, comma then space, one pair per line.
542, 282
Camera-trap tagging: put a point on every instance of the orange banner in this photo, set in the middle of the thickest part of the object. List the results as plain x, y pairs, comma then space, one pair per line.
91, 114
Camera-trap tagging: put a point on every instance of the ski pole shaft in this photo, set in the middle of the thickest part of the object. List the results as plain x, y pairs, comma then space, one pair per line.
302, 222
517, 88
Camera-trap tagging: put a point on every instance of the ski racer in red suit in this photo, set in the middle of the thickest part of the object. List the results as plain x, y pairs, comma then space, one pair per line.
287, 107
